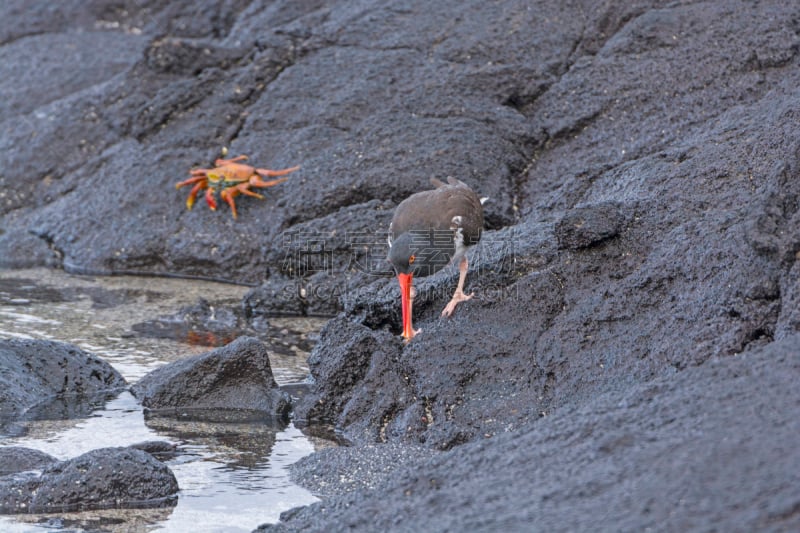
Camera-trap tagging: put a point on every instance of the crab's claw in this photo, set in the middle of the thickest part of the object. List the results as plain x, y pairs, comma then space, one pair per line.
193, 195
210, 200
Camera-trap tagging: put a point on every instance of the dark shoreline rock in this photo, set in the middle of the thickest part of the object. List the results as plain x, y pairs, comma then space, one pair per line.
121, 478
161, 450
641, 159
582, 227
38, 374
14, 459
235, 377
701, 449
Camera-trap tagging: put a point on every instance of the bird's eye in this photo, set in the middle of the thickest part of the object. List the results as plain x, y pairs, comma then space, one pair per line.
411, 260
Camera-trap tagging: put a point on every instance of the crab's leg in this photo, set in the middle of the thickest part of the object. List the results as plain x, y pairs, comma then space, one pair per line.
255, 181
267, 173
193, 193
212, 203
228, 195
232, 192
220, 162
244, 188
193, 179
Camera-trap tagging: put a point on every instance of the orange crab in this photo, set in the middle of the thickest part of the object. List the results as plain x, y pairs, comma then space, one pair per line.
230, 179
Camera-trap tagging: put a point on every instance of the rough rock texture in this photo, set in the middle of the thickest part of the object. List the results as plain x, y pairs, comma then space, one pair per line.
99, 479
713, 450
659, 228
14, 459
159, 449
642, 161
37, 373
236, 377
336, 470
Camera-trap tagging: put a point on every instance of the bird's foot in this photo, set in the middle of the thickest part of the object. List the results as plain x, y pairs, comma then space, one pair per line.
414, 333
458, 297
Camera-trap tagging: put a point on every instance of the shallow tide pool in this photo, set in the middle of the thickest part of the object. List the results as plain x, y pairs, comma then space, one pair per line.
233, 476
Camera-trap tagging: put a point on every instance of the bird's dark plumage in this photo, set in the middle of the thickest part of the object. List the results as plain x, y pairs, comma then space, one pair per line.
435, 226
431, 229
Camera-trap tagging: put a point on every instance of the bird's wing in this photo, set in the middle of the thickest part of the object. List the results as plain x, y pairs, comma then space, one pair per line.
437, 183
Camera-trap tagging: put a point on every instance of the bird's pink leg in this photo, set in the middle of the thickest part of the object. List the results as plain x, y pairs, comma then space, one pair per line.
459, 295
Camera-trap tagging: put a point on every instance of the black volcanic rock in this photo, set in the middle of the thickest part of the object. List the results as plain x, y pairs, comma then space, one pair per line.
642, 163
235, 377
625, 266
37, 373
14, 459
199, 323
704, 449
99, 479
587, 226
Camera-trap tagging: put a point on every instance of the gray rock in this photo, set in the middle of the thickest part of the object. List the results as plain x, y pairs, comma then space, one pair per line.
704, 449
342, 369
99, 479
14, 459
337, 470
692, 276
235, 377
582, 227
210, 325
159, 449
45, 374
682, 116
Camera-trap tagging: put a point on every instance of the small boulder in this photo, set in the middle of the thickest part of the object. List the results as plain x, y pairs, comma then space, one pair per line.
235, 377
35, 372
99, 479
15, 459
200, 323
160, 449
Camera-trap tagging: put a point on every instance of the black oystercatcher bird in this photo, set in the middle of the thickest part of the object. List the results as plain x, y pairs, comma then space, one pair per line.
430, 230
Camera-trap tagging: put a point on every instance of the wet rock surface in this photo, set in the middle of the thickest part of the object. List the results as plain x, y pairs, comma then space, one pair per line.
161, 450
14, 459
37, 375
643, 166
236, 377
99, 479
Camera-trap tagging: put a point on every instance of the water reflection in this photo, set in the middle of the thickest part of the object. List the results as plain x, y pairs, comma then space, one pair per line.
138, 323
232, 472
233, 476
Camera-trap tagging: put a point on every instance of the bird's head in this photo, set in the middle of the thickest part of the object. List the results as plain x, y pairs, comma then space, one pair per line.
402, 255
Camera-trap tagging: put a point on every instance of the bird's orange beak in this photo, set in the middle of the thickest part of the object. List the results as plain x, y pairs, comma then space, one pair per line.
405, 299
